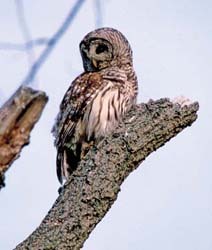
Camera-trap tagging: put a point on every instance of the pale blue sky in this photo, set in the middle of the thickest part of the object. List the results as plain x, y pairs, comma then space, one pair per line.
166, 203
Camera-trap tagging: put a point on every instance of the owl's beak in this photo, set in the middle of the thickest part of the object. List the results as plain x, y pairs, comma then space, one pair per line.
94, 62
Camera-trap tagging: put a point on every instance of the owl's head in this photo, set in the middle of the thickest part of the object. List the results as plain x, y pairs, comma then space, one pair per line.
103, 48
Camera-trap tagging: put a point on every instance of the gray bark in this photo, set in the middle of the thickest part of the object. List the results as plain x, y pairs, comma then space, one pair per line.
94, 186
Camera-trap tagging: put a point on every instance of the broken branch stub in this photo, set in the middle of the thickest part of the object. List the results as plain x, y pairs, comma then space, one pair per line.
17, 118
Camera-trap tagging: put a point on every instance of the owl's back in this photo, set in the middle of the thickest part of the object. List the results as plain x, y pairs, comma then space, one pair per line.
96, 100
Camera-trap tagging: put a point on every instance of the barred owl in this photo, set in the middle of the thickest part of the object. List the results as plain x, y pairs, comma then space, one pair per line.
97, 99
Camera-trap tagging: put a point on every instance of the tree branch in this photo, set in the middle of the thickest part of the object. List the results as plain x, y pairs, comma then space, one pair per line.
18, 117
52, 42
23, 109
24, 46
25, 29
98, 13
94, 186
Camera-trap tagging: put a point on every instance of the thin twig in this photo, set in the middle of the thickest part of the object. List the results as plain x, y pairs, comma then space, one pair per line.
52, 42
98, 13
25, 29
24, 46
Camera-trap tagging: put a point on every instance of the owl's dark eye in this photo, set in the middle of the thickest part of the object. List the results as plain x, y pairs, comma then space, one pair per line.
101, 48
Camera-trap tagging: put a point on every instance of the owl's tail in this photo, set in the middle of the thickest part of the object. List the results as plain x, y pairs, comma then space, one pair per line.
59, 162
67, 162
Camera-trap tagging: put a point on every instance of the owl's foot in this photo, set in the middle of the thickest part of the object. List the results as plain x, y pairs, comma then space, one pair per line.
85, 148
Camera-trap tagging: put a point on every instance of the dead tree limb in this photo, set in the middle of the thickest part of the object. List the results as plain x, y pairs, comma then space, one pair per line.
21, 112
17, 118
94, 186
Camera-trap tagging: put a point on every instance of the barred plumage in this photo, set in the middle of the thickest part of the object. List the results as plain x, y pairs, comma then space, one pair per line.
97, 99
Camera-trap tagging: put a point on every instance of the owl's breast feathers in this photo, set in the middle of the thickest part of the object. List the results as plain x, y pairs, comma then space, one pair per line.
91, 109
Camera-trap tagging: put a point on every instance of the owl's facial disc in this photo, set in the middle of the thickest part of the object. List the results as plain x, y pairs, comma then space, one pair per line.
96, 53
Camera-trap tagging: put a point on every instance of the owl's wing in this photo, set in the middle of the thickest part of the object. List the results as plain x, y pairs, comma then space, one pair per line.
73, 104
72, 108
80, 94
77, 98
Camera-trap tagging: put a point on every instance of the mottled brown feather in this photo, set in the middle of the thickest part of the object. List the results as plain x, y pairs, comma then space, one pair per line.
96, 100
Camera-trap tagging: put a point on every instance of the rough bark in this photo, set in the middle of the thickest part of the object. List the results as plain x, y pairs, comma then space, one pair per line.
17, 118
94, 186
